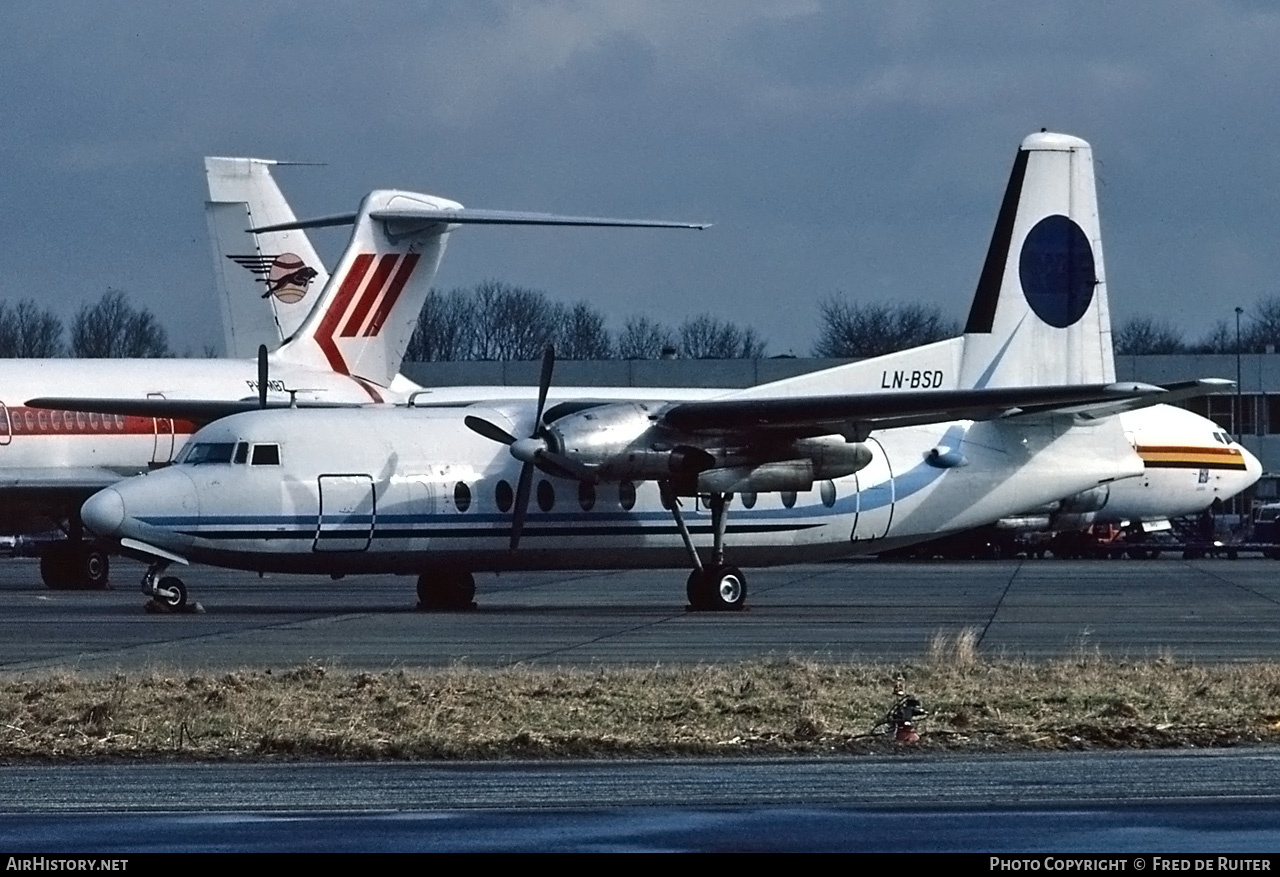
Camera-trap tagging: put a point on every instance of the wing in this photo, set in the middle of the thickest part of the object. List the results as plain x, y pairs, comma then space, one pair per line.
857, 415
198, 411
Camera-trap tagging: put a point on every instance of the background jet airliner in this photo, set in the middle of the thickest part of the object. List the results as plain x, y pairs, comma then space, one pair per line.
823, 464
69, 427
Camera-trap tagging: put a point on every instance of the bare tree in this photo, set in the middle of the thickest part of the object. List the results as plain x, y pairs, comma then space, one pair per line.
28, 331
114, 328
1144, 335
511, 322
582, 334
1220, 339
642, 338
860, 330
1264, 326
708, 337
445, 330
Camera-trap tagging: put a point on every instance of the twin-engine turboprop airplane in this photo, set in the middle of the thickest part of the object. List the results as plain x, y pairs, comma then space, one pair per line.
1021, 412
86, 424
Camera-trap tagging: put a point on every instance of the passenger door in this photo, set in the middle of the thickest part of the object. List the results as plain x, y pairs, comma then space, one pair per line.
347, 513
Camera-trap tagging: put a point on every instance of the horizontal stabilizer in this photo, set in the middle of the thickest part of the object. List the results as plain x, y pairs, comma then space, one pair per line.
467, 216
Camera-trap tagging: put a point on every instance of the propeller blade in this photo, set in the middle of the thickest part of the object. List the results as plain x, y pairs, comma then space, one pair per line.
564, 467
262, 376
492, 432
521, 508
544, 383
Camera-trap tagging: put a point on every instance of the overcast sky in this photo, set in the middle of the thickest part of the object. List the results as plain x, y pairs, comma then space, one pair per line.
840, 148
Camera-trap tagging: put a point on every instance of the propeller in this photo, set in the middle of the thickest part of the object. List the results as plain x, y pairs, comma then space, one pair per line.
534, 451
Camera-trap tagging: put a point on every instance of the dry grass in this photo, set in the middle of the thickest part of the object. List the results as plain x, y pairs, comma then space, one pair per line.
765, 708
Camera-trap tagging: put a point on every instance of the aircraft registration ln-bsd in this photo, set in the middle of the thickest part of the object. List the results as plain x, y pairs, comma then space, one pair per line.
821, 465
88, 423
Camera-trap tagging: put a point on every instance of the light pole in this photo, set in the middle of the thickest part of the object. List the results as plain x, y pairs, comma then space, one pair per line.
1239, 402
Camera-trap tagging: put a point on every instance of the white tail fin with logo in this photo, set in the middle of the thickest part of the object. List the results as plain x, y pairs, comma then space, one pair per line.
366, 313
268, 282
1040, 314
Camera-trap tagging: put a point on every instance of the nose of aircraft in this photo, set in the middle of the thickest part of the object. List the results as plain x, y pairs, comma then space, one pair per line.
143, 507
103, 513
1252, 467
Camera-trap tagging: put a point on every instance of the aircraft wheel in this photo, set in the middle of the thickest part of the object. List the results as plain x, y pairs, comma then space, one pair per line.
722, 588
94, 568
57, 567
171, 592
447, 589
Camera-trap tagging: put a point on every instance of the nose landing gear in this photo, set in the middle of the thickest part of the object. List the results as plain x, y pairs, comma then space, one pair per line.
167, 593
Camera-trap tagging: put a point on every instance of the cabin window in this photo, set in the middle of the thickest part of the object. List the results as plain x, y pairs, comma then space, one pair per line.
95, 421
69, 420
44, 420
586, 495
627, 495
828, 493
31, 420
503, 497
82, 422
546, 495
119, 421
266, 455
242, 452
461, 496
749, 500
209, 452
789, 498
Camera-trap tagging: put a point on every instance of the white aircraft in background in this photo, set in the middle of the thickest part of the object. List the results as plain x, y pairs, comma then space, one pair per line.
347, 351
1189, 461
1017, 413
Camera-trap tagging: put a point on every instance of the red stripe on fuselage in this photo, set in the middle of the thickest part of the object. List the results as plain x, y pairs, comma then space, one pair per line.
393, 294
371, 292
45, 422
324, 332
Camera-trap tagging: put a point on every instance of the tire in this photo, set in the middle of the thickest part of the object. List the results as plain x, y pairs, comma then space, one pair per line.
177, 596
446, 589
57, 567
94, 567
717, 589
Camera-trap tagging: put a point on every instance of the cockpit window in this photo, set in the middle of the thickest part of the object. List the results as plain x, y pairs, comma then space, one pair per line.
242, 452
266, 455
209, 452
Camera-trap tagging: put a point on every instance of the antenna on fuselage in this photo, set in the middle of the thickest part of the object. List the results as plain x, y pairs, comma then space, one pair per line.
262, 376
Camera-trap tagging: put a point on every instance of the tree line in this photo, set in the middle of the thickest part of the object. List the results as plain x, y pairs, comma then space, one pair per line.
498, 321
110, 328
1259, 333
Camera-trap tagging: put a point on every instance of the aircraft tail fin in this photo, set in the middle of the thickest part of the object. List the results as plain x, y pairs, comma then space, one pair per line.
267, 281
1040, 315
367, 312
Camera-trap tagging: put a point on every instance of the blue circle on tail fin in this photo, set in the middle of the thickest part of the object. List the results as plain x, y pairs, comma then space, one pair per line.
1057, 271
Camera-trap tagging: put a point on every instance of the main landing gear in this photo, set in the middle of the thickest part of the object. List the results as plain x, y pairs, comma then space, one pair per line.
715, 586
75, 564
167, 593
447, 590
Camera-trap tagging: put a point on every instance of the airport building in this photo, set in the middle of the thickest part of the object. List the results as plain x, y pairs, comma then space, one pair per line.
1250, 411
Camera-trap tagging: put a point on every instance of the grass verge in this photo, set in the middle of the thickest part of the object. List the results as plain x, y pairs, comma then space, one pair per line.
784, 707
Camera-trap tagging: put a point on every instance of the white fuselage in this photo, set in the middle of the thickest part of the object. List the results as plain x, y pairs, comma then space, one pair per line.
405, 490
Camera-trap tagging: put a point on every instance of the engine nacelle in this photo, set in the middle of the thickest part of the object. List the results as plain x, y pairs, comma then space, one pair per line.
623, 441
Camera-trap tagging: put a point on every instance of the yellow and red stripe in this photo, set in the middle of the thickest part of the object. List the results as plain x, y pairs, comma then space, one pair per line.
1190, 457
